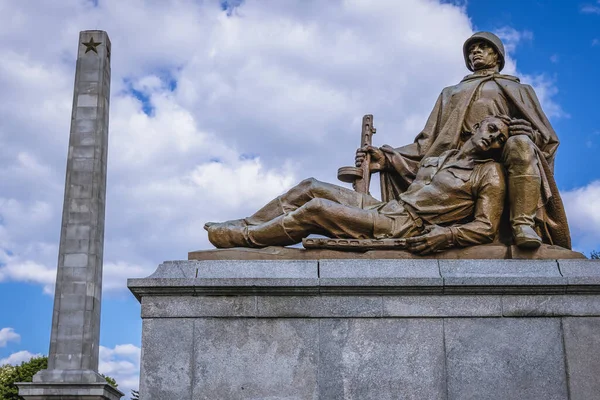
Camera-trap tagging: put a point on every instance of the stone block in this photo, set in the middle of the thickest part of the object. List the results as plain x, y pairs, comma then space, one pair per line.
501, 275
198, 306
235, 269
77, 232
166, 367
442, 306
582, 348
89, 75
380, 359
83, 164
81, 177
90, 113
319, 306
226, 277
505, 358
80, 191
69, 391
581, 275
551, 305
87, 100
88, 88
254, 359
76, 260
84, 151
380, 273
80, 205
83, 127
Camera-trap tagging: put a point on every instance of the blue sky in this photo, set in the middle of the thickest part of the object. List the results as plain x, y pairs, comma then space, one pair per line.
215, 111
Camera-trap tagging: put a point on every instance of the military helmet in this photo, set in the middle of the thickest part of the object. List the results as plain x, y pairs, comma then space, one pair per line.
492, 40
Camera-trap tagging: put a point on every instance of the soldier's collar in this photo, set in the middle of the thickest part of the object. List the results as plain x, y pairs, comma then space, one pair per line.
448, 160
487, 74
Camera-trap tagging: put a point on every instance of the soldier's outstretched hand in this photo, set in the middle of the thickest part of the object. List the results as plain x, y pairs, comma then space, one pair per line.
436, 238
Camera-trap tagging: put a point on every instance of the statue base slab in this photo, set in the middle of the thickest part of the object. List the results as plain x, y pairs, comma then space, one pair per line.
488, 252
370, 329
68, 391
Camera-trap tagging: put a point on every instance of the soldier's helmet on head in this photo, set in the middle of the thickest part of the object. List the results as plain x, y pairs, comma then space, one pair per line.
489, 38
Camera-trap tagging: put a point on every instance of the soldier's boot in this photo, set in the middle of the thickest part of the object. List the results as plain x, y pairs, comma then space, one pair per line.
225, 235
280, 231
524, 195
271, 210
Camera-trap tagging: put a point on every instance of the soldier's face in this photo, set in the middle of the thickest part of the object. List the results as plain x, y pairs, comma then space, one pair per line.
482, 55
491, 135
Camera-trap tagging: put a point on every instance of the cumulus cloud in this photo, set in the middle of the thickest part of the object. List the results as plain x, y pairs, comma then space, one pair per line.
18, 358
8, 335
214, 110
123, 364
591, 8
512, 37
582, 205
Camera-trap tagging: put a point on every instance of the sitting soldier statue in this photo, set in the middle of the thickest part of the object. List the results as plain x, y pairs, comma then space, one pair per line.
536, 212
455, 199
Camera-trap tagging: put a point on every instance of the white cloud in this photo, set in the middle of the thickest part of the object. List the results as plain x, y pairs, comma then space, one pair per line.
591, 9
8, 335
595, 42
582, 205
123, 364
18, 357
512, 37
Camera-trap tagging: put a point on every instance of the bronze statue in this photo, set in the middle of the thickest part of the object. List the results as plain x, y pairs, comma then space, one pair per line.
456, 199
443, 190
535, 207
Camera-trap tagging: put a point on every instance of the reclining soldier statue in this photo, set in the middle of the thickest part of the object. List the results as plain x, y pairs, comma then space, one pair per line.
456, 199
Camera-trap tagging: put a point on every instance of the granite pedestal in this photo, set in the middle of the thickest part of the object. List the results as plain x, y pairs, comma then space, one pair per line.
371, 329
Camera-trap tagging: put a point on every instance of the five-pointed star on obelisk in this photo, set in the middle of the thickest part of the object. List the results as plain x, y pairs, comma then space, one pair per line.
91, 45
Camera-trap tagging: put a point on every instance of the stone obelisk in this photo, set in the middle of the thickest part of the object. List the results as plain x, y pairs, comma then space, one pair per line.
74, 343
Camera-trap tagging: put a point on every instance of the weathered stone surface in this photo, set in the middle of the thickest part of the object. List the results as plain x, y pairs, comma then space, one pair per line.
582, 275
467, 274
255, 359
319, 306
235, 269
442, 306
166, 369
379, 359
505, 358
361, 346
422, 273
582, 348
198, 306
90, 391
550, 306
488, 251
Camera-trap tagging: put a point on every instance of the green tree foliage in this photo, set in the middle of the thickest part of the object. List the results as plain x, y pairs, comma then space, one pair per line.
9, 374
21, 373
110, 381
595, 255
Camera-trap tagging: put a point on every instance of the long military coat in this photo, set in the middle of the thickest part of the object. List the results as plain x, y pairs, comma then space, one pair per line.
443, 132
